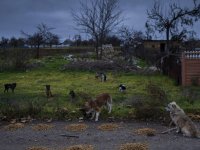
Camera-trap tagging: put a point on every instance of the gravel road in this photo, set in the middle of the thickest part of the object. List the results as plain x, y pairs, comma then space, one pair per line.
26, 137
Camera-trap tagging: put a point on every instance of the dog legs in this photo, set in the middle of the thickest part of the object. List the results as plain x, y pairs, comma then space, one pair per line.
97, 116
178, 130
93, 114
109, 107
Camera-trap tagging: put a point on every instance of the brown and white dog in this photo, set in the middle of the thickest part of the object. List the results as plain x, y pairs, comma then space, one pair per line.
94, 106
183, 123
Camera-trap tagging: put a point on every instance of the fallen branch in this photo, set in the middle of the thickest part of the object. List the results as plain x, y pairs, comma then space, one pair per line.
169, 130
70, 136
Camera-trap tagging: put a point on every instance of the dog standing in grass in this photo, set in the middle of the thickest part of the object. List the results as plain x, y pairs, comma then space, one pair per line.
72, 95
102, 76
95, 106
122, 88
48, 91
11, 86
182, 121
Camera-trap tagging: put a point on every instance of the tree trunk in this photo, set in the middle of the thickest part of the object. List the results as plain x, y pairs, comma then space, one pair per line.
97, 47
167, 38
38, 51
97, 51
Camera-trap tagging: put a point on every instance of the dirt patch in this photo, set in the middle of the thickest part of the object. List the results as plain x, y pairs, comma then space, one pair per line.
13, 127
80, 147
41, 127
58, 138
37, 148
194, 117
76, 127
134, 146
145, 131
108, 127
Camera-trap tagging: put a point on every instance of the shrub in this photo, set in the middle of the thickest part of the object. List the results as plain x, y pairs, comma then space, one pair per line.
151, 107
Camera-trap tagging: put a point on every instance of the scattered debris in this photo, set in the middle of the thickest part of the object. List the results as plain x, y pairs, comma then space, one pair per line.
37, 148
76, 127
80, 119
13, 121
24, 120
41, 127
146, 131
13, 127
108, 127
80, 147
49, 120
169, 130
134, 146
70, 136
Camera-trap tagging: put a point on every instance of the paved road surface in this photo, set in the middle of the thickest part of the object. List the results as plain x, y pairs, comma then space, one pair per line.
101, 140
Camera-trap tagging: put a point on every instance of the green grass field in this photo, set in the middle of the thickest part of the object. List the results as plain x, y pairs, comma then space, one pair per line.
30, 91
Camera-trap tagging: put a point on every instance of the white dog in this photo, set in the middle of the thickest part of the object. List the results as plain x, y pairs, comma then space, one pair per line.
182, 121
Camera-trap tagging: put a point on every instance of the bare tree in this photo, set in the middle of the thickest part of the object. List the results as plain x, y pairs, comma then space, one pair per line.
98, 18
52, 39
43, 36
175, 17
149, 32
132, 40
4, 42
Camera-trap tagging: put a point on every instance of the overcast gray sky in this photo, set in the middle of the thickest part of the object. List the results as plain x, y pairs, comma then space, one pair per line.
17, 15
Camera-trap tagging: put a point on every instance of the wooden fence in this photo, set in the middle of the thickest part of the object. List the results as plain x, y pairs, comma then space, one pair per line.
190, 68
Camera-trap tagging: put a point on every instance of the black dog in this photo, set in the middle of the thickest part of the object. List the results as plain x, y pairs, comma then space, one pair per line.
122, 88
72, 95
48, 91
8, 86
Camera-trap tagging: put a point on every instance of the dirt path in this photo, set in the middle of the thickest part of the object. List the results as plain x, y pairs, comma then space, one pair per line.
101, 140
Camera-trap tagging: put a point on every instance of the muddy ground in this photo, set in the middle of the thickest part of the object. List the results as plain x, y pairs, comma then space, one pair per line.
53, 138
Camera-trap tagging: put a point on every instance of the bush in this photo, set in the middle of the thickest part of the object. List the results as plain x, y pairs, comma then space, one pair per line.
14, 59
191, 94
152, 105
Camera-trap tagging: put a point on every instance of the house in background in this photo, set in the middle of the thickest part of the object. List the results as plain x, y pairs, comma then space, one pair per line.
184, 64
190, 67
160, 45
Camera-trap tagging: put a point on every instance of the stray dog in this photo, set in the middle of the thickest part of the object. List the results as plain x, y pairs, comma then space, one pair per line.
122, 88
72, 95
182, 121
102, 76
48, 91
8, 86
94, 106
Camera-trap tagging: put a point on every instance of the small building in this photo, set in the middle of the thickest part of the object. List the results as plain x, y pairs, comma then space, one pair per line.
190, 63
160, 45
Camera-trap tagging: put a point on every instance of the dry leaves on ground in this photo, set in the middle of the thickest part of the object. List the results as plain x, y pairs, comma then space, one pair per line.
134, 146
145, 131
41, 127
37, 148
194, 117
76, 127
80, 147
15, 126
108, 127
